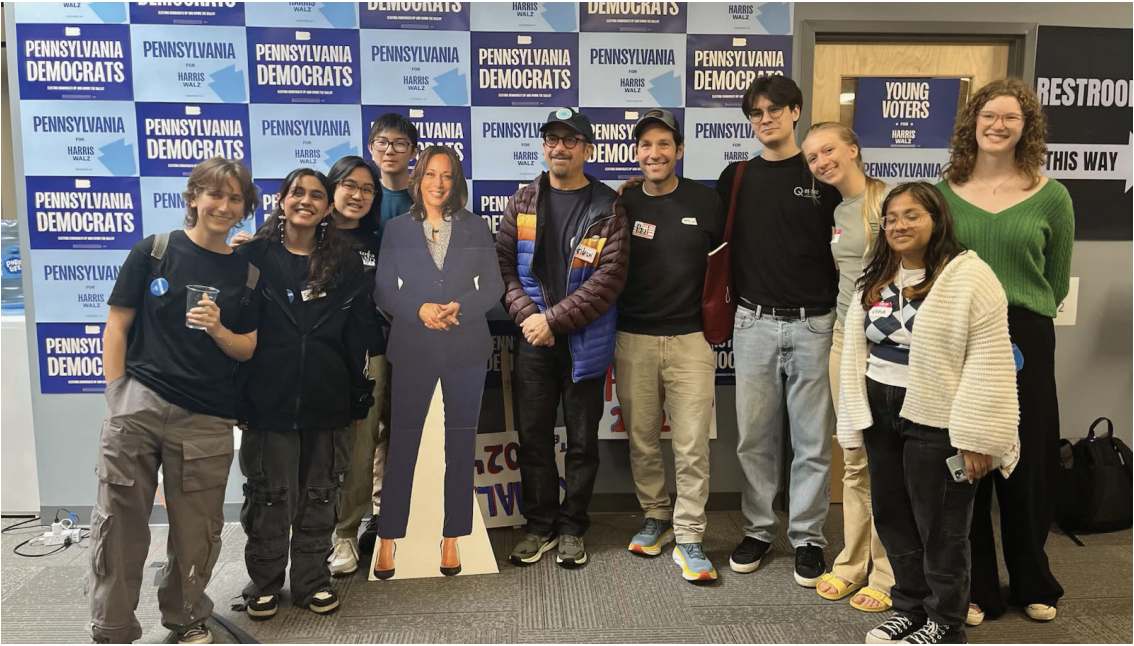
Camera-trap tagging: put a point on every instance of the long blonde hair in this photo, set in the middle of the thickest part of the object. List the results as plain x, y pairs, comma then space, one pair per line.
875, 188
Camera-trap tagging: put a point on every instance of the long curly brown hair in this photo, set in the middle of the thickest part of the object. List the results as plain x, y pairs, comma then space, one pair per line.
1031, 150
331, 249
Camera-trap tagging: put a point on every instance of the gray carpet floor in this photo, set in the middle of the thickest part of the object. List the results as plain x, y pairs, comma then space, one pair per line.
616, 598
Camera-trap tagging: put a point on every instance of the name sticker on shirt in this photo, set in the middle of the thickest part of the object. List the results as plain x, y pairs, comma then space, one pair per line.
585, 253
880, 310
835, 238
309, 295
644, 230
692, 221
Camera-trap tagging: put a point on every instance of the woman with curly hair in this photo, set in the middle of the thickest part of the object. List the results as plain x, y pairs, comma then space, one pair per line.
1022, 224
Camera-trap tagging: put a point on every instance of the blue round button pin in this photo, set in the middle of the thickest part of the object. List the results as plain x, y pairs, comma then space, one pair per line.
1018, 356
290, 296
159, 287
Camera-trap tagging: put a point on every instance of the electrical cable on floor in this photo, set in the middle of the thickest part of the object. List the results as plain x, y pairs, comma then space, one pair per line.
67, 541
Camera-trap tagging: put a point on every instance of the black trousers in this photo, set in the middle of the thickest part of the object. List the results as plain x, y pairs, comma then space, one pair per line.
921, 514
411, 393
1029, 497
542, 381
291, 502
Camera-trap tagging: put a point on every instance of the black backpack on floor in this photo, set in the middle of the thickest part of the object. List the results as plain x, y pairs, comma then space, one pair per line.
1096, 493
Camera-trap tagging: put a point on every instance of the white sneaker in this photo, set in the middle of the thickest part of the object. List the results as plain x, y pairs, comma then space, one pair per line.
344, 559
1040, 612
975, 615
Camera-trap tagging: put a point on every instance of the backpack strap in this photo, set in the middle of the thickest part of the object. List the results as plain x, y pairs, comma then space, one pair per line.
161, 243
250, 284
1109, 428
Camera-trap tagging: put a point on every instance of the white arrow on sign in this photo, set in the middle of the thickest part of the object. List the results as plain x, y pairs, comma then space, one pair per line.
1093, 161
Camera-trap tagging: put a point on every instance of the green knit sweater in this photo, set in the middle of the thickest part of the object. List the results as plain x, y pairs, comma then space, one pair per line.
1028, 245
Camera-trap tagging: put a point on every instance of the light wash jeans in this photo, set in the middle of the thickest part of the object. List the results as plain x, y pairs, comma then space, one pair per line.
777, 357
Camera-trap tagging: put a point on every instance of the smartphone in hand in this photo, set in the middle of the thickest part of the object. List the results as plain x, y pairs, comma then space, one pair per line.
956, 466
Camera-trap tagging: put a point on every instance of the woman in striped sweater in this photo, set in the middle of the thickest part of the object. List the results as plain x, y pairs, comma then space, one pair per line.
915, 397
1022, 224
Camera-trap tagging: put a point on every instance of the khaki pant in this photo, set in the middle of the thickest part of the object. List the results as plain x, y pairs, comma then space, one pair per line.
143, 432
370, 440
863, 559
680, 371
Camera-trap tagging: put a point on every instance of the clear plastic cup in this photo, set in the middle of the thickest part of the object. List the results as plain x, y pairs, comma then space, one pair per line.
194, 295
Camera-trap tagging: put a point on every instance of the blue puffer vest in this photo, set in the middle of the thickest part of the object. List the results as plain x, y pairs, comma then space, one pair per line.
591, 346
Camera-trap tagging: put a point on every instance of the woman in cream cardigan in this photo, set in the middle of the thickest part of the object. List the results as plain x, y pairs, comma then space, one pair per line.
916, 395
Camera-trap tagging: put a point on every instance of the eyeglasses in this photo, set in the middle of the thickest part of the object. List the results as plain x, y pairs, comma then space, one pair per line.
568, 142
399, 146
911, 219
349, 186
773, 111
990, 118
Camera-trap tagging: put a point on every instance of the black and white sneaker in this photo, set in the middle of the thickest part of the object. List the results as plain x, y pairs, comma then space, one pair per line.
261, 608
324, 602
935, 633
894, 629
746, 557
368, 538
809, 565
195, 635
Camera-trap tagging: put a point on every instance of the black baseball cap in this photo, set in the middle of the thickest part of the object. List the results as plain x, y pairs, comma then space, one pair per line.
571, 118
664, 117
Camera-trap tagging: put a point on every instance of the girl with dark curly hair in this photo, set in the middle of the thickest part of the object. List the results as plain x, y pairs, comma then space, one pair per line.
1022, 224
306, 384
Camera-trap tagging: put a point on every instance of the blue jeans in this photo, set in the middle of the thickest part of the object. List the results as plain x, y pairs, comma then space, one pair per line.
782, 364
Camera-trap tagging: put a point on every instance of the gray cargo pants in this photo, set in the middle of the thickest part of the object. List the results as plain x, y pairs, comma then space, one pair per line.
143, 432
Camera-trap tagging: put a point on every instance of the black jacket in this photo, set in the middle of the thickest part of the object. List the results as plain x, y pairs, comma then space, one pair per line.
315, 375
471, 277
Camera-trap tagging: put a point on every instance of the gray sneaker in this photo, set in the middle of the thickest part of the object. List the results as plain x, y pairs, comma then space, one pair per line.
572, 552
532, 548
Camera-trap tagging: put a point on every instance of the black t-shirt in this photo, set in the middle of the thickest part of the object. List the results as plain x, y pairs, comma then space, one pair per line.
781, 236
183, 365
367, 244
670, 240
565, 213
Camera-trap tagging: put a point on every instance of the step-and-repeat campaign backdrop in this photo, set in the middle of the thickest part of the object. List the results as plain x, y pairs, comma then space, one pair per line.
118, 101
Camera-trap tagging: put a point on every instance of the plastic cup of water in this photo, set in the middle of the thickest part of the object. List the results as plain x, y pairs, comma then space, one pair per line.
194, 295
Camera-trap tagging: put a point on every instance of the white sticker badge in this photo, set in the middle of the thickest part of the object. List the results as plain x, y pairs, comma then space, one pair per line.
644, 230
586, 254
880, 310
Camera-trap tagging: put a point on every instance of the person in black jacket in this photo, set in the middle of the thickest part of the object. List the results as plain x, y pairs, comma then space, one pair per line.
356, 211
437, 279
305, 383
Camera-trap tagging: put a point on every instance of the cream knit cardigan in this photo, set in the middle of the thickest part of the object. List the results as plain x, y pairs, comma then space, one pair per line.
962, 375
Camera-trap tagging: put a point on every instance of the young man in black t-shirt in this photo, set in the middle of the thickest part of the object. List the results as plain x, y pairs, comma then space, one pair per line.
172, 400
786, 286
660, 350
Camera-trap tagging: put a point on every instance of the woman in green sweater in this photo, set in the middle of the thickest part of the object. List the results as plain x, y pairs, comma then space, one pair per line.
1022, 224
